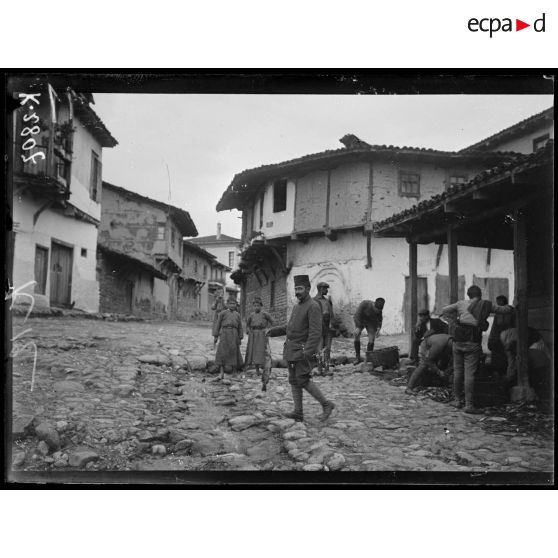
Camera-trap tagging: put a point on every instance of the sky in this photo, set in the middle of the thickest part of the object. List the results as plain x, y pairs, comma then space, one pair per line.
201, 141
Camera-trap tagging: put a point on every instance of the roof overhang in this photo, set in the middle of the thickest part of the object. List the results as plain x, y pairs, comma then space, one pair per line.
245, 184
481, 211
131, 261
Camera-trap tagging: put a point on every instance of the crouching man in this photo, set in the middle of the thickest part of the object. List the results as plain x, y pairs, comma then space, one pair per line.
435, 353
303, 332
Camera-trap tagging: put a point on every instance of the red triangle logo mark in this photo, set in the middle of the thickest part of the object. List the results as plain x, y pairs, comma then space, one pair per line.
519, 25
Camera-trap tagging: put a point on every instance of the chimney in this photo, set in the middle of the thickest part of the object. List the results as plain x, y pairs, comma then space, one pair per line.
218, 237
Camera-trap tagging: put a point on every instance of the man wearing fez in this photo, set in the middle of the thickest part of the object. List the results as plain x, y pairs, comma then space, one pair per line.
369, 316
327, 318
303, 333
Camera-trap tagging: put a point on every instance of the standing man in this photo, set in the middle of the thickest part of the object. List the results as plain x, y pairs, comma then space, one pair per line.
327, 318
426, 326
369, 316
303, 337
467, 338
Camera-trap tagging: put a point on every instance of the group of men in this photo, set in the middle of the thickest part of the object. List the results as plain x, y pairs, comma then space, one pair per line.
309, 334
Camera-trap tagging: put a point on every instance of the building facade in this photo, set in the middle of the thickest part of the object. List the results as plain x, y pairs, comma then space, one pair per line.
58, 141
140, 256
225, 248
315, 215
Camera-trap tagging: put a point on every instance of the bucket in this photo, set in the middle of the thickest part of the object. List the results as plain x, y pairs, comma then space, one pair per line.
388, 357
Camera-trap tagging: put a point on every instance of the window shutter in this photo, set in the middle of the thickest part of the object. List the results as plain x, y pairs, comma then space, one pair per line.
99, 179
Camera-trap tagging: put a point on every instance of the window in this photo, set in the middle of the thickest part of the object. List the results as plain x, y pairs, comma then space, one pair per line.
195, 266
409, 184
231, 259
272, 294
457, 180
279, 196
41, 269
540, 142
84, 252
205, 272
95, 180
160, 232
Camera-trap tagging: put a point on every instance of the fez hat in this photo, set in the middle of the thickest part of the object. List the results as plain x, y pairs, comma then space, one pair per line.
257, 299
424, 312
301, 280
322, 284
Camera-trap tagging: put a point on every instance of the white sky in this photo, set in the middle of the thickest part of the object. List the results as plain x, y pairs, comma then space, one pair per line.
206, 139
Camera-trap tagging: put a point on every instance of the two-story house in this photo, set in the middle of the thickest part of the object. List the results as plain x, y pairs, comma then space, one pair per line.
202, 276
314, 215
57, 160
140, 253
226, 249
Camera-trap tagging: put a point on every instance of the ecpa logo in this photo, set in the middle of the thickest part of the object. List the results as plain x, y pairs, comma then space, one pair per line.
494, 24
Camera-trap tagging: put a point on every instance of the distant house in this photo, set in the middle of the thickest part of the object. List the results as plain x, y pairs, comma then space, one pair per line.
527, 136
57, 151
140, 254
315, 214
202, 275
226, 249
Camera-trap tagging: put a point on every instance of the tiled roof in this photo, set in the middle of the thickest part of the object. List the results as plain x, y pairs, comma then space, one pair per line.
520, 163
517, 129
92, 122
353, 148
180, 216
212, 239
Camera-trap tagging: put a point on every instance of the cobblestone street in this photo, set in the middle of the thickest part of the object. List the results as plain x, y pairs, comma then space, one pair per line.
137, 396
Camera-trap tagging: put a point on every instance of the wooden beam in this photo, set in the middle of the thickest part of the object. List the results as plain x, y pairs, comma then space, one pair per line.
439, 255
368, 250
520, 303
481, 195
413, 277
328, 197
453, 265
330, 234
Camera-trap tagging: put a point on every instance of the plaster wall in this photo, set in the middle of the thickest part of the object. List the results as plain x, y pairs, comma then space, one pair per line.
524, 144
53, 225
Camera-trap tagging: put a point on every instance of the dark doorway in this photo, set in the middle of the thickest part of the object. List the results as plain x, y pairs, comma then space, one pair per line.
61, 260
41, 269
422, 299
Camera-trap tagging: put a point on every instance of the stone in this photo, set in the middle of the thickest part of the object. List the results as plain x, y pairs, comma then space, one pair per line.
42, 448
464, 458
174, 352
243, 422
294, 435
146, 436
283, 424
197, 362
159, 360
80, 457
45, 431
336, 462
61, 425
22, 426
313, 467
68, 386
205, 446
290, 446
18, 459
183, 445
159, 449
60, 463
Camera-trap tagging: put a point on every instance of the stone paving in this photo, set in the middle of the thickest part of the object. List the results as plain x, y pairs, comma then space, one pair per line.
138, 396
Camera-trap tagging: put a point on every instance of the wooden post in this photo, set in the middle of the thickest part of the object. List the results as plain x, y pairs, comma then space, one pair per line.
413, 288
522, 390
453, 266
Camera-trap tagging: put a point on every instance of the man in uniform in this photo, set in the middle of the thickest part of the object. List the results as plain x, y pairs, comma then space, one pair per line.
327, 319
369, 316
303, 333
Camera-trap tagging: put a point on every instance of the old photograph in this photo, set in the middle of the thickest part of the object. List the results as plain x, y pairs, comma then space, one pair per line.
261, 278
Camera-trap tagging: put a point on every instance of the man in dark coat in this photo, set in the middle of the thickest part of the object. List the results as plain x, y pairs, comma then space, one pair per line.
327, 318
303, 333
426, 326
369, 316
